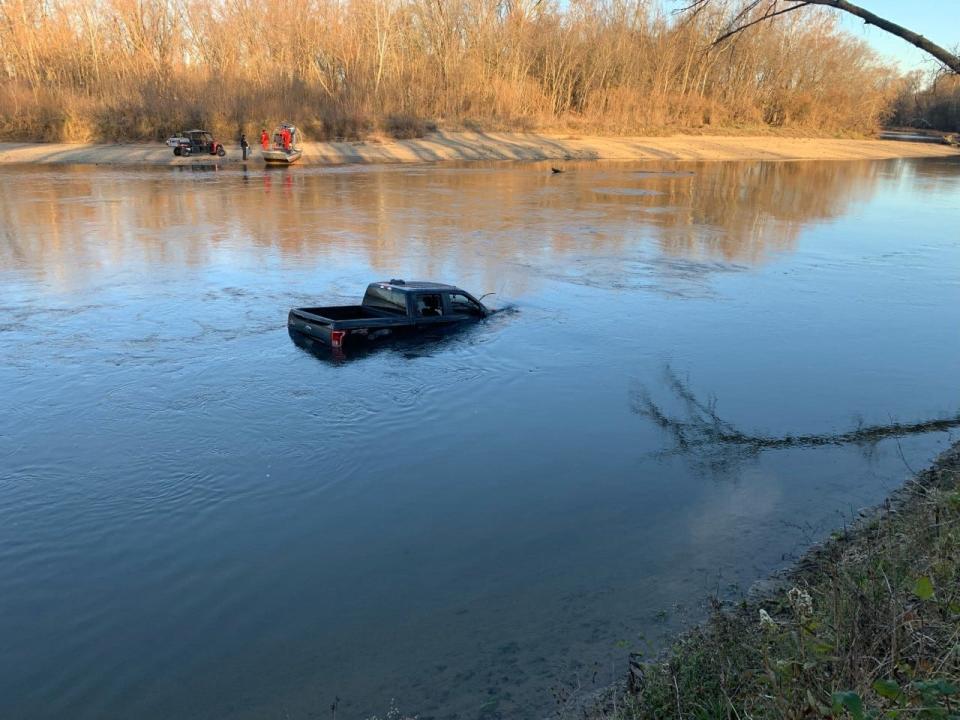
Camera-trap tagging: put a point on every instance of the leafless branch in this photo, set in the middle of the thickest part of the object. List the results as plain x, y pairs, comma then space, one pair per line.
767, 16
948, 58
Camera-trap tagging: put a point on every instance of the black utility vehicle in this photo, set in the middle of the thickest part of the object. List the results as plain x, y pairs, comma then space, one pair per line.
197, 142
389, 308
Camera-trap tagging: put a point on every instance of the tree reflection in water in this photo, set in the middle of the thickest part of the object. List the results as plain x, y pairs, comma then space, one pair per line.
615, 223
699, 431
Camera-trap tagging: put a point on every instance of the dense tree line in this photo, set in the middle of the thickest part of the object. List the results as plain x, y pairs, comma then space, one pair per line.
139, 69
933, 105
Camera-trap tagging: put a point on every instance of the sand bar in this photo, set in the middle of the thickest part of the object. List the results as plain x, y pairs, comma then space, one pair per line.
467, 146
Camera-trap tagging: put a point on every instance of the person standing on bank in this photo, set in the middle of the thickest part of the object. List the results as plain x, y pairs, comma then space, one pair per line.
244, 144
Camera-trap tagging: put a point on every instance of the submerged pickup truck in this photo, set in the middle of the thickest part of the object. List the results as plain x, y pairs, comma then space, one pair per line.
389, 308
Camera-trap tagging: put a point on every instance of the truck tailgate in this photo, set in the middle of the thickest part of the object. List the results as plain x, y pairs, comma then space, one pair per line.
346, 320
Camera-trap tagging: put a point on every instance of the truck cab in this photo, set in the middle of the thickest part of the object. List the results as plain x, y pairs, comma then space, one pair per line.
424, 302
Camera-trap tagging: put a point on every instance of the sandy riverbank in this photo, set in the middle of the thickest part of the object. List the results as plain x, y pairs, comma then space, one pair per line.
468, 146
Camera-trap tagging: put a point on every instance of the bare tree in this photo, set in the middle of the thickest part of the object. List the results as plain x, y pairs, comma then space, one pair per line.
757, 11
138, 69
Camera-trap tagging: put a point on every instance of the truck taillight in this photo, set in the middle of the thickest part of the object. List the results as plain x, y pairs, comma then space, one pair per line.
336, 338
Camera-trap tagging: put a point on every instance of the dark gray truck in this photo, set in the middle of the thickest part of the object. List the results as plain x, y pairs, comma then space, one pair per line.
390, 308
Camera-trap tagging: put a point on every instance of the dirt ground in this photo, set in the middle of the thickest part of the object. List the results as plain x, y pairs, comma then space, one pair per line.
443, 146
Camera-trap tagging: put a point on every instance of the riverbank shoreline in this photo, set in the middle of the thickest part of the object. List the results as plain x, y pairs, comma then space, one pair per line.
867, 621
480, 146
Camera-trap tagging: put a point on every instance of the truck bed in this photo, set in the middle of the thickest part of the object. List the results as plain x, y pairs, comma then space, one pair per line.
345, 312
333, 324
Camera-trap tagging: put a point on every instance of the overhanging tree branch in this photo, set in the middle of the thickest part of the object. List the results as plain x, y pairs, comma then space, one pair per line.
943, 55
766, 16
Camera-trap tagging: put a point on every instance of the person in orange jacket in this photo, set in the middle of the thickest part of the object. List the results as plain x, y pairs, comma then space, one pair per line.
264, 139
285, 136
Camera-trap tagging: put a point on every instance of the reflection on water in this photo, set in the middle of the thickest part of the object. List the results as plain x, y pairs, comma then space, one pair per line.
722, 211
200, 518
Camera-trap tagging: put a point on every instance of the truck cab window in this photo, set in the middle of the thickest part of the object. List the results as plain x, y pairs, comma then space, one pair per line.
429, 306
383, 298
462, 305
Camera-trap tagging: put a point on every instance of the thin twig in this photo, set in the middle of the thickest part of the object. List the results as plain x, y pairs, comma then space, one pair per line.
900, 450
677, 689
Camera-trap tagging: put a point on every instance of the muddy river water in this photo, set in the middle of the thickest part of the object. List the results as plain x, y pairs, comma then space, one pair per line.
200, 518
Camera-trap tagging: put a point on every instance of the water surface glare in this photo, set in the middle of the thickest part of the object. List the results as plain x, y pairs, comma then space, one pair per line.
200, 518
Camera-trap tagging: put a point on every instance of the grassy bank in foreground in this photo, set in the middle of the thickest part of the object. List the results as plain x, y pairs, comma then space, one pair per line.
867, 626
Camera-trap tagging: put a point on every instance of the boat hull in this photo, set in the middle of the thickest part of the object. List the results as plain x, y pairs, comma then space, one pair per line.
279, 157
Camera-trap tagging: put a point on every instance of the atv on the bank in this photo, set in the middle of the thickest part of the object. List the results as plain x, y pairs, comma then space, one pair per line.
196, 142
